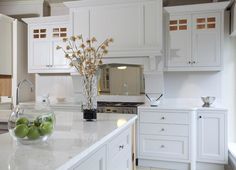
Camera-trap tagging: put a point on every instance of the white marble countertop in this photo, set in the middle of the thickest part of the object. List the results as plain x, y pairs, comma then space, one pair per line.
58, 105
72, 140
183, 106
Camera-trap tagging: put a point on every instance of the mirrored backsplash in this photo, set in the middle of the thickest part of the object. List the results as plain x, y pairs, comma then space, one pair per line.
121, 79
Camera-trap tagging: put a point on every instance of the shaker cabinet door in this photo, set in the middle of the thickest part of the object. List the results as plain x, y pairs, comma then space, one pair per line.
179, 41
39, 48
58, 59
211, 137
40, 55
206, 40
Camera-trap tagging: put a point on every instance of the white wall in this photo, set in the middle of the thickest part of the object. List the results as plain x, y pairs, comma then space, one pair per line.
229, 85
192, 84
55, 85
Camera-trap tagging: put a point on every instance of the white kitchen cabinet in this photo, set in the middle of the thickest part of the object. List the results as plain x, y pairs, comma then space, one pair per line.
119, 152
115, 154
6, 50
44, 34
194, 40
212, 136
136, 26
183, 139
96, 162
164, 134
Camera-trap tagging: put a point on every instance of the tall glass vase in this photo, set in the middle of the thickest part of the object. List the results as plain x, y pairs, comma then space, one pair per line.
90, 97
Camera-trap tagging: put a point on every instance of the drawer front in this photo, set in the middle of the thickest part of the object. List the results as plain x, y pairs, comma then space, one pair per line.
120, 144
161, 147
163, 117
164, 129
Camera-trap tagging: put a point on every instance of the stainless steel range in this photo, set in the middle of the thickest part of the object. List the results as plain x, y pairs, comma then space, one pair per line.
118, 107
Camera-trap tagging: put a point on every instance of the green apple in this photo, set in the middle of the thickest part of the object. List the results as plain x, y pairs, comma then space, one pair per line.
21, 130
46, 128
22, 120
33, 133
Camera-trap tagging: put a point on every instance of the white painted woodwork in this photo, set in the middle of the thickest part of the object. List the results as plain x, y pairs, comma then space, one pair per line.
163, 147
119, 152
196, 45
22, 8
180, 44
58, 9
80, 21
120, 22
6, 41
44, 34
116, 154
155, 116
136, 26
206, 42
164, 129
211, 136
233, 20
197, 137
96, 162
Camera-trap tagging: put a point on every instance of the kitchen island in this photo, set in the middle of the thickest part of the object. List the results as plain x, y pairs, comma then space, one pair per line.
75, 144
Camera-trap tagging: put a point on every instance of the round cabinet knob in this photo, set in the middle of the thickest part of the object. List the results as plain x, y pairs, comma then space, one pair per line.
163, 118
200, 117
162, 129
189, 62
194, 62
162, 146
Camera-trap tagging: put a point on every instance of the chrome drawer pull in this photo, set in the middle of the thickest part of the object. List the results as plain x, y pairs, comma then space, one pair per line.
121, 147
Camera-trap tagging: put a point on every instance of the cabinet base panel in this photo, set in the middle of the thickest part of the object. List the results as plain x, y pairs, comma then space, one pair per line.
179, 165
209, 166
163, 164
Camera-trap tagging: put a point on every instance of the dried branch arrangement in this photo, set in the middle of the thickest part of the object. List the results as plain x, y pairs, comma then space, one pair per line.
85, 56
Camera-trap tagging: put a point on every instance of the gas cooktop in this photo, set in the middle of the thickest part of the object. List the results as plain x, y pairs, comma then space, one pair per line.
119, 104
118, 107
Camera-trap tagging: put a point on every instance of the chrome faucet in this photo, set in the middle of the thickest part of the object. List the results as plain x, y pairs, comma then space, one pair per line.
28, 82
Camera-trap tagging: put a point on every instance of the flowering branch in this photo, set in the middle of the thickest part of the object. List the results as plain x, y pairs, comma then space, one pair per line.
84, 55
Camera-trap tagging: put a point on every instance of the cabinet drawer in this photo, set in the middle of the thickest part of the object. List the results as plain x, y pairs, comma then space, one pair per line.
164, 117
120, 143
163, 147
164, 129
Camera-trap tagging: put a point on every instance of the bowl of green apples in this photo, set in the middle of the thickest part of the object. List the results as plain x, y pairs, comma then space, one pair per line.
31, 125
